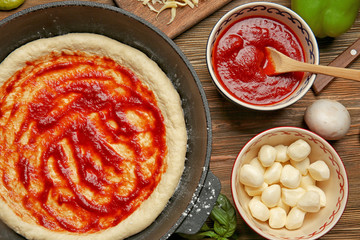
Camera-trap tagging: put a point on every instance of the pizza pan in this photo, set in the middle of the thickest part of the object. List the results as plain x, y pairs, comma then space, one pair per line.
198, 187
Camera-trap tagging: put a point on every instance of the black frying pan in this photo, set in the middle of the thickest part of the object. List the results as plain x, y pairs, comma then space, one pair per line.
198, 189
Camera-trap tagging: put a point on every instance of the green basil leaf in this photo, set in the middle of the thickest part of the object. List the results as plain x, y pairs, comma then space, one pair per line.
219, 215
224, 217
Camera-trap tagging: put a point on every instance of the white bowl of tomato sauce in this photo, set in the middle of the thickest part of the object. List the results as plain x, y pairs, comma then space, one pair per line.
236, 58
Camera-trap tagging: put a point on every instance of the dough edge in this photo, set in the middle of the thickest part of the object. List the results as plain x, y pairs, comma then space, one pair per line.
168, 101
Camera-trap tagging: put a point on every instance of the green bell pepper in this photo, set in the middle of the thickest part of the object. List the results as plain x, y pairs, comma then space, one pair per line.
10, 4
327, 17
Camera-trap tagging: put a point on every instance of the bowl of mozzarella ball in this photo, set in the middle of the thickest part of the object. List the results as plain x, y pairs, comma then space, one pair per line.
289, 183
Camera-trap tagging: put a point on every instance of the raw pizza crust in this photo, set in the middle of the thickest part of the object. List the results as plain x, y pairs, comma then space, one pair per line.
168, 101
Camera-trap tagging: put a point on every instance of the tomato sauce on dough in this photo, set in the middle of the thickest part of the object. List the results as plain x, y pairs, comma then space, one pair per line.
84, 140
239, 60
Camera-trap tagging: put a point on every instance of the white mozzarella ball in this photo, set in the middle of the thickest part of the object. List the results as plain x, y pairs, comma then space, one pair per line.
283, 205
282, 183
295, 218
273, 173
309, 202
307, 181
281, 153
277, 218
256, 163
267, 155
299, 150
302, 165
258, 209
291, 196
290, 177
255, 191
319, 170
251, 176
271, 195
328, 118
321, 194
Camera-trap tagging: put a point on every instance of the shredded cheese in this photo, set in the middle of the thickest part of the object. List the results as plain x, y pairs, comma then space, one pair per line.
169, 4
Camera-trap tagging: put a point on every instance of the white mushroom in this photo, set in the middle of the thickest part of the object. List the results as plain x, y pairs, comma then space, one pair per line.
328, 118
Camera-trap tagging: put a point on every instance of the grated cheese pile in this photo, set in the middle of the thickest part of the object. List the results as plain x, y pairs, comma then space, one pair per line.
169, 4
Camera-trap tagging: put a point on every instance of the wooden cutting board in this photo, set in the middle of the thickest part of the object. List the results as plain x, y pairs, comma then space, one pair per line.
185, 18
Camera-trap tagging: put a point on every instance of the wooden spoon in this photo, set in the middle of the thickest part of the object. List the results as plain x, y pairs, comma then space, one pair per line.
280, 63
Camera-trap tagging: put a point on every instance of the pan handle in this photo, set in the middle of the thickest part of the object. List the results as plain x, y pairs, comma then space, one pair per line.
203, 206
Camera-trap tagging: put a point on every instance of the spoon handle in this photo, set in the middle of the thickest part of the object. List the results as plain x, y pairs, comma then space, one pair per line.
343, 60
327, 70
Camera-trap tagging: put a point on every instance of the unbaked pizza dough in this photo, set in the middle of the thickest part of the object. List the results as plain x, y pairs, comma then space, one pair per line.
92, 139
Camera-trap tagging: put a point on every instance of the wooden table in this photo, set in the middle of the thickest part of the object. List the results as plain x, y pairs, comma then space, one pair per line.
233, 126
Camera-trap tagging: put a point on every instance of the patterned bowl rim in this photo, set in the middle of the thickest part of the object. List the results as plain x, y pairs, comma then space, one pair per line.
282, 10
340, 168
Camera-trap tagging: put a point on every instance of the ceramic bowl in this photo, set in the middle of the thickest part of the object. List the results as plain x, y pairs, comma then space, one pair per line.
283, 15
316, 224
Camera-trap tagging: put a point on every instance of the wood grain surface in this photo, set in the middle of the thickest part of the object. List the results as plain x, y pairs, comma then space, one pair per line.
185, 18
233, 126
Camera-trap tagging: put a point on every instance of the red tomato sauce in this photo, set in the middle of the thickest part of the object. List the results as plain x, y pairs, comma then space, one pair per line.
79, 104
239, 60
